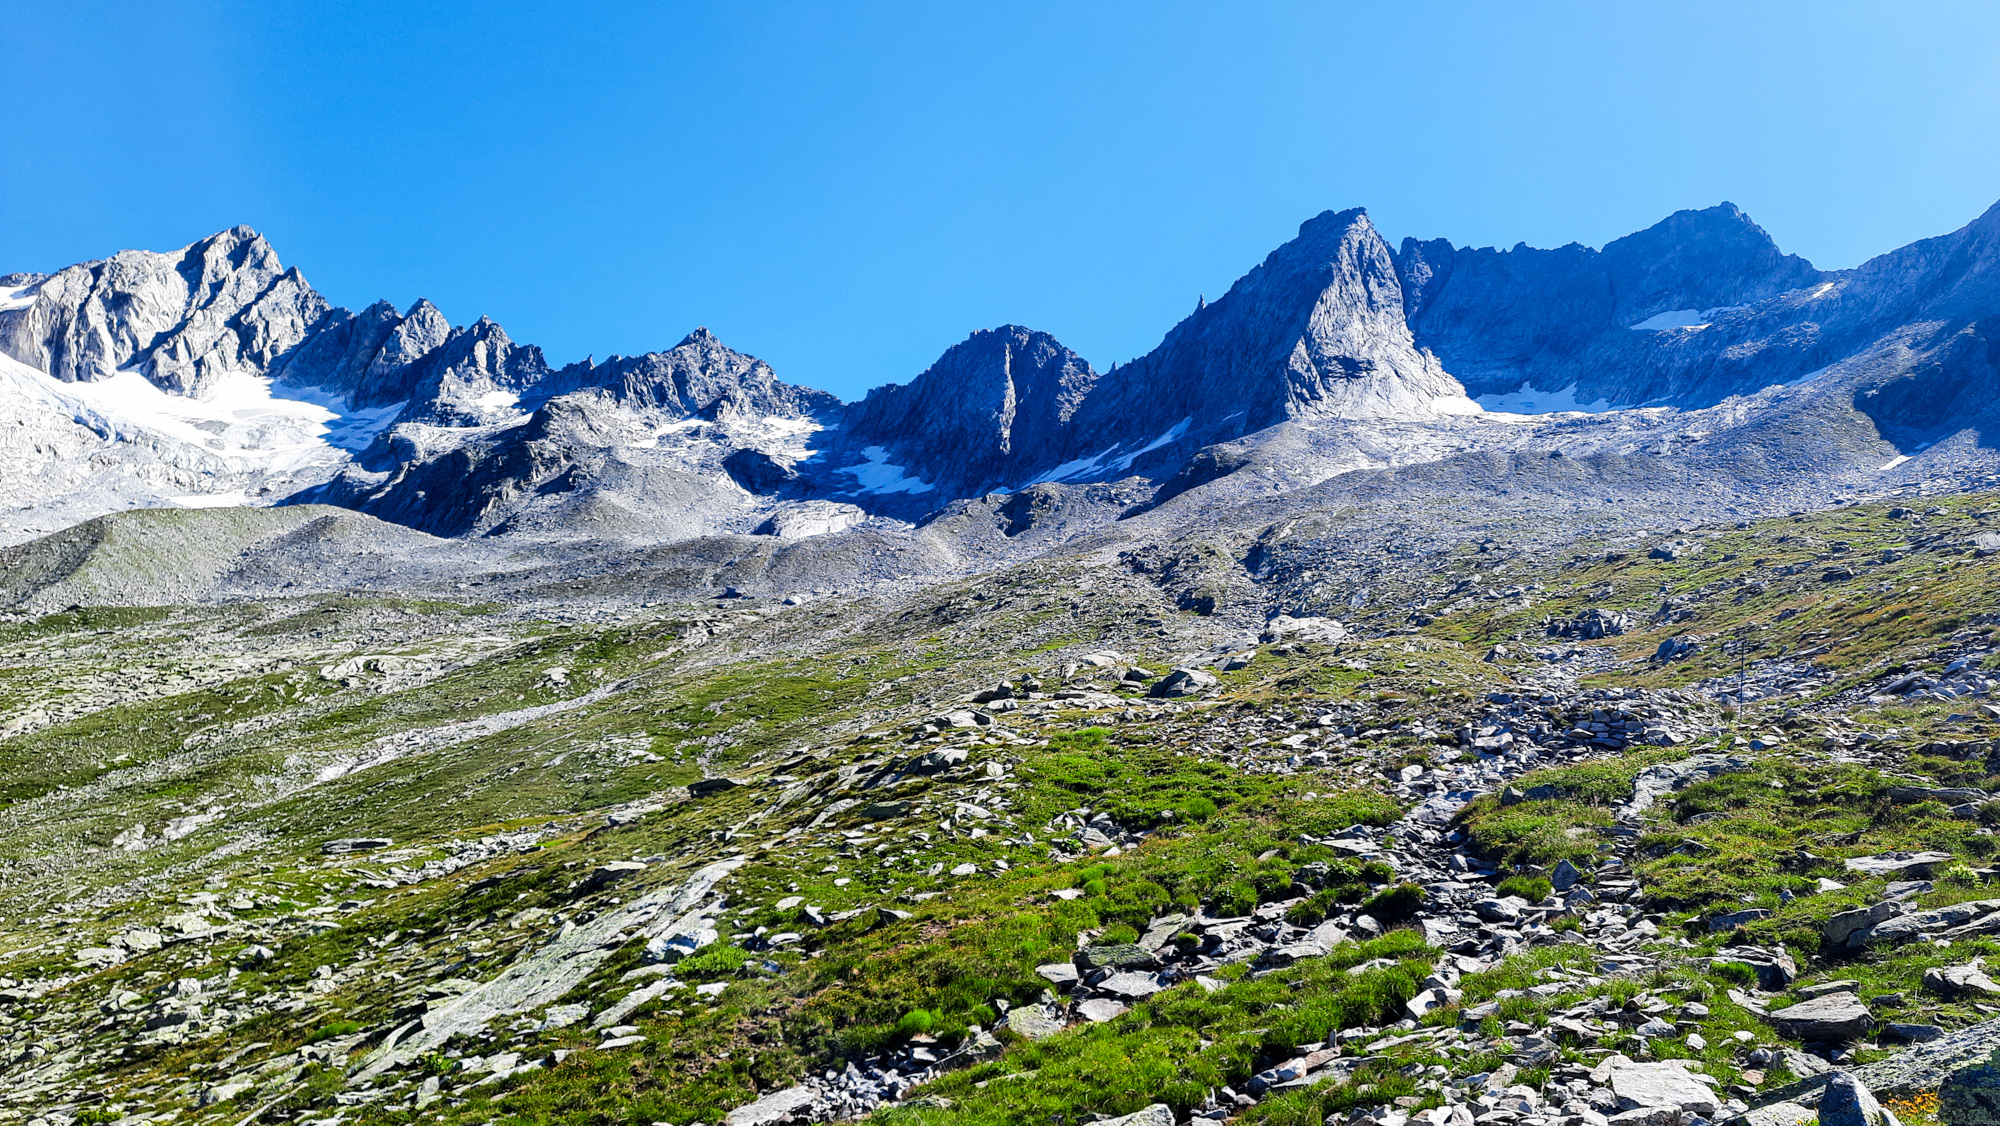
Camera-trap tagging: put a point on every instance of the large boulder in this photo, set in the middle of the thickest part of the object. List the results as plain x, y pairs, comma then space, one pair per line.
1183, 682
1775, 967
1971, 1095
1834, 1016
1847, 1102
1661, 1084
1954, 982
1920, 1067
1849, 928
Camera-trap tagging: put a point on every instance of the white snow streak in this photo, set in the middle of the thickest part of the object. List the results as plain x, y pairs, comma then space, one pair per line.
1671, 319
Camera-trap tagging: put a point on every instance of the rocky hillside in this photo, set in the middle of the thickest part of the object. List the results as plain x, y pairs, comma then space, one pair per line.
1546, 830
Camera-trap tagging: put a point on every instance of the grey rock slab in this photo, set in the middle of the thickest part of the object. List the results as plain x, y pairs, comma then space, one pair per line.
1735, 919
1184, 682
1656, 781
1119, 956
1920, 1067
1898, 1033
1158, 1114
1775, 1114
1278, 957
1894, 865
1132, 985
545, 974
772, 1108
1034, 1023
1100, 1009
1835, 1016
1062, 975
1661, 1084
1968, 980
604, 875
1844, 925
1162, 931
356, 844
1969, 1096
1959, 917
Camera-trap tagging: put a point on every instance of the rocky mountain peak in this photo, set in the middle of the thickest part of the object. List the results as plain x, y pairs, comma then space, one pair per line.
474, 378
1315, 330
699, 377
185, 320
992, 411
1705, 259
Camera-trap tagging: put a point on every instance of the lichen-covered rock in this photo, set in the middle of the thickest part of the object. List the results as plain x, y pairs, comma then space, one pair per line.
1971, 1096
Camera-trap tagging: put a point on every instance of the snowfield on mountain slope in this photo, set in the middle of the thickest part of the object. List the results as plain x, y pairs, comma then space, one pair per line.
77, 450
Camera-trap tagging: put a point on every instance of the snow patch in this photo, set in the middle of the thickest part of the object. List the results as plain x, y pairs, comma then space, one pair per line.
1692, 319
876, 475
1527, 400
1671, 319
18, 298
1069, 469
1894, 462
243, 418
1096, 463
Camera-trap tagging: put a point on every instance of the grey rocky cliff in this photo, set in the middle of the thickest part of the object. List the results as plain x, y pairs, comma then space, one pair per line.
475, 378
1335, 358
1726, 313
993, 411
184, 320
369, 357
1551, 318
1315, 331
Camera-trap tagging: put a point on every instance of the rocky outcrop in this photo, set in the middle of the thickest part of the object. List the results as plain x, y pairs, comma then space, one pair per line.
476, 377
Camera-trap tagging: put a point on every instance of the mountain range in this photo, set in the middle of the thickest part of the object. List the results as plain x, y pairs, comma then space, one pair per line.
216, 375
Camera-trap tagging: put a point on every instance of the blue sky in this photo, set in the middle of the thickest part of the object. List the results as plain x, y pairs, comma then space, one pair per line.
847, 189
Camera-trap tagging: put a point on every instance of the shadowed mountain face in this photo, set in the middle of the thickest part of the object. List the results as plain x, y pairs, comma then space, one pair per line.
1316, 330
1499, 319
1334, 355
992, 412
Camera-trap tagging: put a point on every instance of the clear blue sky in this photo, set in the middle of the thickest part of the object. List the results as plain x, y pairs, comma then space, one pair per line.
848, 188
